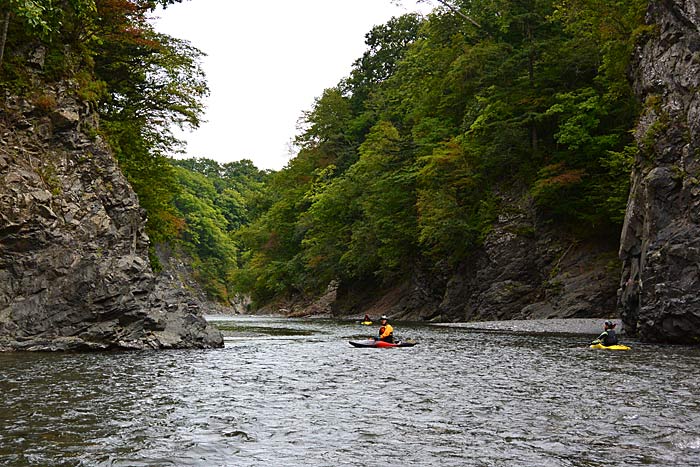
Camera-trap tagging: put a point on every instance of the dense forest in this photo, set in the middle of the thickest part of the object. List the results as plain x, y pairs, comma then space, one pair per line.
401, 165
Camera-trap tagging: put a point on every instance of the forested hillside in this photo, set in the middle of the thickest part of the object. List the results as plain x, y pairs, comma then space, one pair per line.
405, 164
403, 167
142, 84
212, 202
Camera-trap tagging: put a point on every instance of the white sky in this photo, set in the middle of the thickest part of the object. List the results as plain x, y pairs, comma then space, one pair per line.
266, 63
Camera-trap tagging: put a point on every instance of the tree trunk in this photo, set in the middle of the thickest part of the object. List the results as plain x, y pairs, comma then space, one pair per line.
531, 75
4, 35
443, 2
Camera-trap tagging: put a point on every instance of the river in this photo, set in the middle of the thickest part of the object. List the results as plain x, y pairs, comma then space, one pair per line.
295, 393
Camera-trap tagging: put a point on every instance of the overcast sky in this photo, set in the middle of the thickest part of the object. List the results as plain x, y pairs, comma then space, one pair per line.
266, 62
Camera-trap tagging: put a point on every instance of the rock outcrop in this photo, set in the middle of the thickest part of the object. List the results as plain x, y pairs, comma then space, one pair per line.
528, 272
660, 245
523, 271
74, 269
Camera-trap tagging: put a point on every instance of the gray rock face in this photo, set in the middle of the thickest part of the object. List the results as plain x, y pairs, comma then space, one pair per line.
74, 270
526, 272
523, 271
660, 244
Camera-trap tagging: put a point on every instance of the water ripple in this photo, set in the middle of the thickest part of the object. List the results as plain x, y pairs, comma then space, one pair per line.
459, 398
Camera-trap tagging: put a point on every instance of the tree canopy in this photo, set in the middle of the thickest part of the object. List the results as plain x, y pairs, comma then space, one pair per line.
405, 161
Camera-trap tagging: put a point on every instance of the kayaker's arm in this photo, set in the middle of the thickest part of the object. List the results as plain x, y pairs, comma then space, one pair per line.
600, 338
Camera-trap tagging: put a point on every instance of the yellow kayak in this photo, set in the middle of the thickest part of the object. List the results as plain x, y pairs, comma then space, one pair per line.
610, 347
366, 323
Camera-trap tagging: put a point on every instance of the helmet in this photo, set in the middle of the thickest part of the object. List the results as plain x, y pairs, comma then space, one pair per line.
610, 324
383, 317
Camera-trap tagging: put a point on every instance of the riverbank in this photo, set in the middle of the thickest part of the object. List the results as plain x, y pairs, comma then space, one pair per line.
576, 326
560, 326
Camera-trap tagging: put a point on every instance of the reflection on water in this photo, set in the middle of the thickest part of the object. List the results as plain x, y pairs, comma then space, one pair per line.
294, 392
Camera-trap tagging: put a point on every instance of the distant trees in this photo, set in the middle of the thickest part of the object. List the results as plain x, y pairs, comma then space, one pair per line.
211, 203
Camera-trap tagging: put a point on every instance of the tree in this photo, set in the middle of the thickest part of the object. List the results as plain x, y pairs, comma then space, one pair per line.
153, 81
40, 21
407, 159
384, 236
387, 45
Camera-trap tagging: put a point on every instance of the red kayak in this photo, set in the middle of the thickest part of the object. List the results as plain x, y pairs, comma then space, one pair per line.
381, 344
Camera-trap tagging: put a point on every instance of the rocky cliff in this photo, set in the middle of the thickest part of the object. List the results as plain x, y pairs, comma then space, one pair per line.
525, 270
660, 244
74, 269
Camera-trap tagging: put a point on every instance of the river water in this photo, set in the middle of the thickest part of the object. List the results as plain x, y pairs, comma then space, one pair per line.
294, 392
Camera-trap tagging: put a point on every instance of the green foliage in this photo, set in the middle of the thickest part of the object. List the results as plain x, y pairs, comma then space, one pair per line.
385, 234
204, 233
330, 133
211, 206
90, 89
560, 190
38, 17
402, 162
329, 228
154, 81
613, 186
151, 176
386, 45
455, 211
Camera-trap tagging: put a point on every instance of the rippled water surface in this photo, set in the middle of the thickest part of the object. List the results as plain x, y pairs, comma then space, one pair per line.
294, 392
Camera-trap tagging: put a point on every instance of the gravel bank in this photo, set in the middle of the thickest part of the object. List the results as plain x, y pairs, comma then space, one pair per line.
587, 326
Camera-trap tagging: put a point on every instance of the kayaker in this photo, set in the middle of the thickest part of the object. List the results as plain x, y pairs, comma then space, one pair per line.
608, 337
386, 332
367, 319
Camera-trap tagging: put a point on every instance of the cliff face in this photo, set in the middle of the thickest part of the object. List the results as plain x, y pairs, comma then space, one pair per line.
526, 271
74, 269
660, 244
523, 271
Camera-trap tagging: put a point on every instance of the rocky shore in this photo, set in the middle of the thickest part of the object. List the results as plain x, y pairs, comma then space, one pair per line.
74, 266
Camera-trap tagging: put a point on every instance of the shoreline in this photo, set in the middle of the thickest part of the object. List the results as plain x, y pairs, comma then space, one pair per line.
575, 326
570, 326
